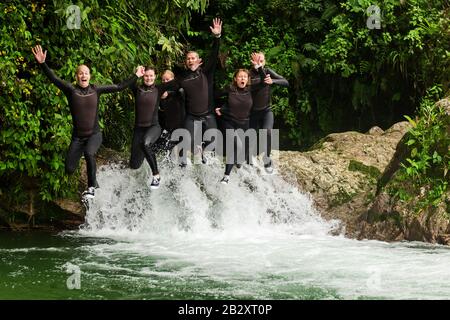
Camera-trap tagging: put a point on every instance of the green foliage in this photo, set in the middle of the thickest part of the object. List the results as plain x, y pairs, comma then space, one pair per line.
427, 167
343, 75
115, 36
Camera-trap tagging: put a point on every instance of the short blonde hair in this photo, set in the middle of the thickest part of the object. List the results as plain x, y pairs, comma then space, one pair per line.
81, 66
194, 52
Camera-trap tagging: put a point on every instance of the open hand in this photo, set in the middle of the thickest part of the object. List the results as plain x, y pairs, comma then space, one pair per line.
256, 57
140, 70
39, 54
216, 29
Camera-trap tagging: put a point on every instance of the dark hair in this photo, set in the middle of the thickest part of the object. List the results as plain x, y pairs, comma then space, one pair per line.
150, 68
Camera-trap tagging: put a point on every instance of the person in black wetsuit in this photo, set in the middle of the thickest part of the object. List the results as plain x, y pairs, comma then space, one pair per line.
171, 117
236, 113
197, 83
262, 116
171, 107
147, 129
83, 101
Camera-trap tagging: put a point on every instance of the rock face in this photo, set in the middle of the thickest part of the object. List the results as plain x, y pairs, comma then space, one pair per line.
431, 224
345, 174
341, 171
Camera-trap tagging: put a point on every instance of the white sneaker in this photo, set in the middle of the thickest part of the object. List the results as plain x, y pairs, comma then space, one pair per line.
225, 179
89, 193
155, 183
268, 167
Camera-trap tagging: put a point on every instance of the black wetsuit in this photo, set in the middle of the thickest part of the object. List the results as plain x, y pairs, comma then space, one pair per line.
172, 110
86, 135
261, 116
146, 129
198, 90
236, 114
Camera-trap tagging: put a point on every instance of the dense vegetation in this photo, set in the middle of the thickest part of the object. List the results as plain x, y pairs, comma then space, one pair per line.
424, 176
343, 75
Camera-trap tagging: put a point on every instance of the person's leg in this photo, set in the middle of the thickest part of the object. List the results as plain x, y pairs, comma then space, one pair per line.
228, 168
254, 116
255, 124
137, 155
242, 148
230, 157
92, 146
151, 135
210, 122
189, 126
267, 123
74, 154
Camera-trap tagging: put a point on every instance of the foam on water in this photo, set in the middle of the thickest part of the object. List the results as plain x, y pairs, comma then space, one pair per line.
257, 237
192, 201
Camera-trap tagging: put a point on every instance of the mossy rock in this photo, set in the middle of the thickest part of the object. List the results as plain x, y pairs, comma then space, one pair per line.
369, 171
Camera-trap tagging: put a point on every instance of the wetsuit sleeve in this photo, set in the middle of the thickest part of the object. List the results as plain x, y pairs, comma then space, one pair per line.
133, 86
171, 85
65, 86
110, 88
212, 60
261, 83
277, 79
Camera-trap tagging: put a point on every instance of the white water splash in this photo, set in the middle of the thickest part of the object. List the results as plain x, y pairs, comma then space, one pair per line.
192, 200
256, 237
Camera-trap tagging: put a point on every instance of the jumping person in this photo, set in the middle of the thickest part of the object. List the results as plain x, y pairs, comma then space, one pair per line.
261, 116
197, 83
147, 129
171, 107
236, 111
83, 101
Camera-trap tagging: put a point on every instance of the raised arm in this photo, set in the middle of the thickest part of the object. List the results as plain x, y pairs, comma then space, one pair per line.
40, 57
216, 30
171, 85
256, 57
131, 82
139, 74
110, 88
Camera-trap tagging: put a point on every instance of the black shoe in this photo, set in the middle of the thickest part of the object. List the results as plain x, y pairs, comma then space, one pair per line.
239, 166
155, 183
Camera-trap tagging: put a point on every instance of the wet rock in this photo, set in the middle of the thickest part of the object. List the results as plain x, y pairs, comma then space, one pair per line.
346, 175
341, 171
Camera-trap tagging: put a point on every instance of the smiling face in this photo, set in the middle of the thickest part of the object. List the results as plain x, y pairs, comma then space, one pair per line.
149, 77
241, 79
83, 75
192, 60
